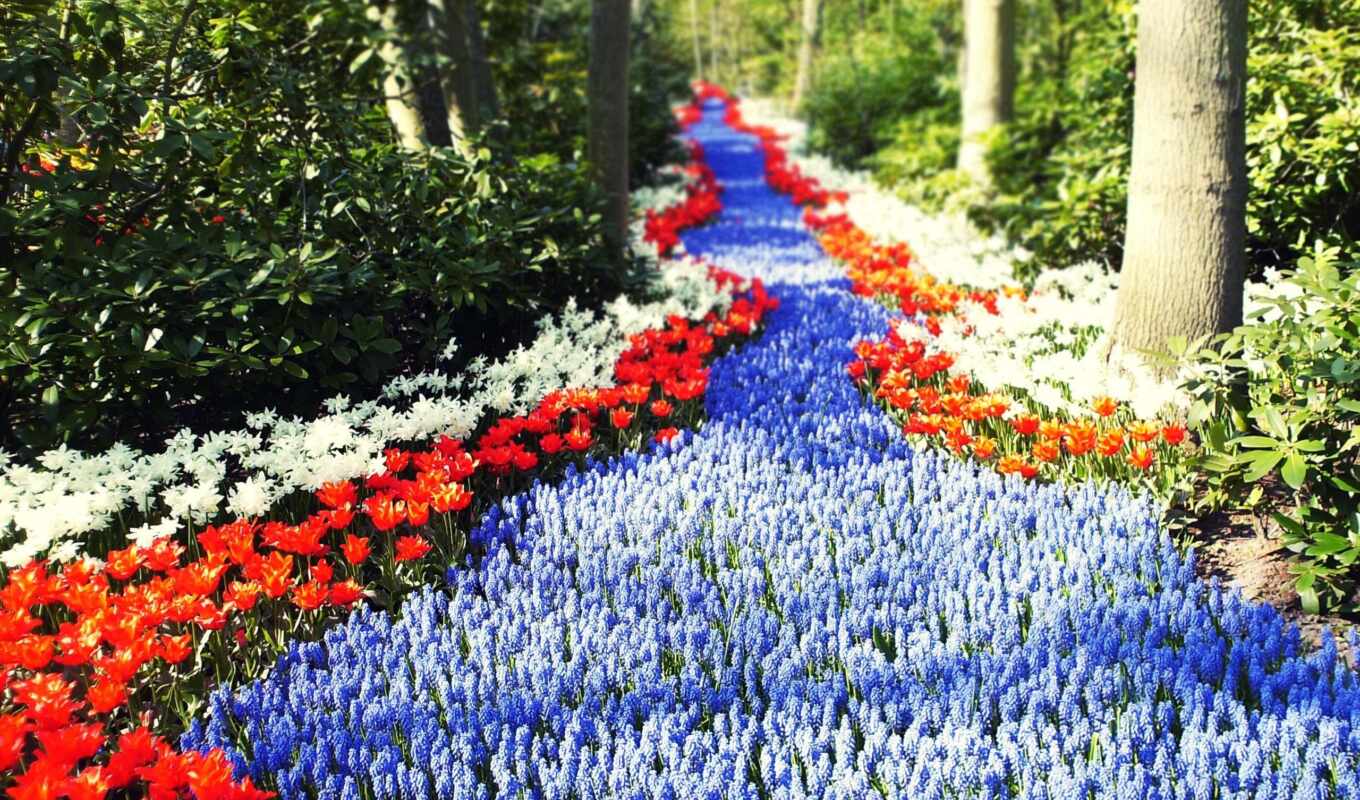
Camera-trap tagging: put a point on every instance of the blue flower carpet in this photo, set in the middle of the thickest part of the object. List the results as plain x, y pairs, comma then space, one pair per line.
793, 602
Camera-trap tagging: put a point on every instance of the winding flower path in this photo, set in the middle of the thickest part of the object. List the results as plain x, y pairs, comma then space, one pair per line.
792, 602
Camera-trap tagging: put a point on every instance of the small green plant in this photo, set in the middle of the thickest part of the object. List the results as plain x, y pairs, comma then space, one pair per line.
1276, 406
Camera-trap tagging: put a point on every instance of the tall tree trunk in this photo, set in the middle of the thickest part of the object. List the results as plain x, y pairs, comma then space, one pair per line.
694, 34
1184, 250
988, 79
714, 40
607, 93
400, 91
481, 67
807, 50
448, 21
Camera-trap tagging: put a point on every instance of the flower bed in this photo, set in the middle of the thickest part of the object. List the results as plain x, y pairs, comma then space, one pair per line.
916, 371
101, 656
798, 603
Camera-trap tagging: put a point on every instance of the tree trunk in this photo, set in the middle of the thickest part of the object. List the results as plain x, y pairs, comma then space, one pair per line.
481, 68
714, 40
988, 79
1185, 247
400, 92
448, 21
694, 33
607, 93
807, 49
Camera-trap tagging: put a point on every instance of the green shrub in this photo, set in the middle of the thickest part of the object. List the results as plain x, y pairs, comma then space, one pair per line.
1277, 408
238, 230
862, 92
1303, 100
921, 155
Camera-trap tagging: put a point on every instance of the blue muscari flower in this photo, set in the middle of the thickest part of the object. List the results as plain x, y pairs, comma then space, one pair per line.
795, 603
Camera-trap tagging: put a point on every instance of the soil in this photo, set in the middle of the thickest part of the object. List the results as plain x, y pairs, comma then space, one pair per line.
1247, 554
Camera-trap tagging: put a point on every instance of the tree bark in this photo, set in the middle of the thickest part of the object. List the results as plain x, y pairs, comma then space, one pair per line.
807, 50
481, 67
448, 21
400, 92
1185, 245
988, 79
607, 93
694, 34
714, 40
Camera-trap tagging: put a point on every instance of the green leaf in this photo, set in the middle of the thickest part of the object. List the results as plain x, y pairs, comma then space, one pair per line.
1274, 422
361, 60
1327, 544
1291, 526
1261, 463
1294, 471
1308, 598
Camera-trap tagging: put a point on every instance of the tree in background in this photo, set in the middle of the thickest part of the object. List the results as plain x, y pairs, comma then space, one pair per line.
694, 37
807, 50
1185, 247
607, 94
399, 23
483, 82
988, 80
450, 25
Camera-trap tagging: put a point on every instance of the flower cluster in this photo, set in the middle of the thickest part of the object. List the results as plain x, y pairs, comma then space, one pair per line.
1050, 345
701, 203
799, 604
938, 399
943, 406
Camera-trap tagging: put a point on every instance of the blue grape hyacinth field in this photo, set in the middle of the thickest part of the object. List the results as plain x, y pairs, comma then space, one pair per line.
793, 602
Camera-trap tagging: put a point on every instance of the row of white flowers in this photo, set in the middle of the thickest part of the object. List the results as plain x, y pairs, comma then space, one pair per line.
47, 508
1053, 346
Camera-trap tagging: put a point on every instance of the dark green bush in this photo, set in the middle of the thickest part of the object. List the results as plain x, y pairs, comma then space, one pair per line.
239, 224
1277, 404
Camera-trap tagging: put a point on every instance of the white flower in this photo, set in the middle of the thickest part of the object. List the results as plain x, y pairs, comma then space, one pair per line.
251, 497
64, 552
147, 535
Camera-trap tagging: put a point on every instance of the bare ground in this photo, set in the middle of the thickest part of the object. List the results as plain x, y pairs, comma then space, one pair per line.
1248, 555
